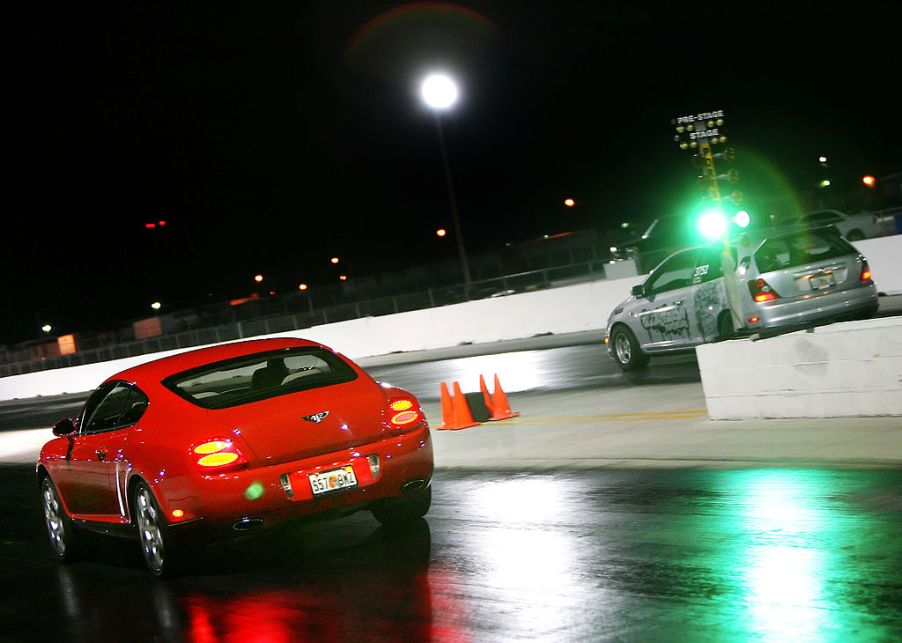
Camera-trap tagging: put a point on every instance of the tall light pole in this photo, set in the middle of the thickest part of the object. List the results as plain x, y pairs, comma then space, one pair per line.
439, 93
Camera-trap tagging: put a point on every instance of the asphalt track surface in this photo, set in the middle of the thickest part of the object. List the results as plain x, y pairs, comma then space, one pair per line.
592, 555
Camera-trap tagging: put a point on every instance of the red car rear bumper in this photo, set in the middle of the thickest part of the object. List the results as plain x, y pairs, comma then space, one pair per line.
262, 496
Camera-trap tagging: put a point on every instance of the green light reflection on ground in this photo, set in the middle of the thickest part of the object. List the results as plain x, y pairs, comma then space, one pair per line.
793, 536
785, 568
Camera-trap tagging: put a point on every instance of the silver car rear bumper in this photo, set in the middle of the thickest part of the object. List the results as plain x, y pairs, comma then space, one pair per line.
801, 311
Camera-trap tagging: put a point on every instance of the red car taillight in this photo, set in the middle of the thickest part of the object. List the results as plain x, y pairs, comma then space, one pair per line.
866, 277
404, 413
217, 455
761, 291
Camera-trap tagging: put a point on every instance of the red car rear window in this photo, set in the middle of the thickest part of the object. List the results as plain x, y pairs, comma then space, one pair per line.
251, 378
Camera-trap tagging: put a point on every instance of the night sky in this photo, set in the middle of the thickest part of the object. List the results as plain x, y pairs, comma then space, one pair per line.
273, 135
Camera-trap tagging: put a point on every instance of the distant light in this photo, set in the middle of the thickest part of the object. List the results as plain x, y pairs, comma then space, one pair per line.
334, 259
438, 91
825, 183
150, 226
302, 286
156, 305
258, 278
569, 202
822, 159
161, 223
625, 225
343, 277
742, 219
613, 248
272, 293
545, 236
441, 232
46, 328
869, 180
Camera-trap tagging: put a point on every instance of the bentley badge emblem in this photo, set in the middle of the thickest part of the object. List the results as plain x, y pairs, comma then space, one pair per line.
316, 418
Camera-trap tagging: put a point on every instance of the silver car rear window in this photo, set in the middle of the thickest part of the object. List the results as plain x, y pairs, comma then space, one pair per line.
800, 248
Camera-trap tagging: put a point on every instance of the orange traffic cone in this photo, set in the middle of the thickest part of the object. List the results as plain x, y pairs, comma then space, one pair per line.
501, 408
463, 418
447, 409
485, 394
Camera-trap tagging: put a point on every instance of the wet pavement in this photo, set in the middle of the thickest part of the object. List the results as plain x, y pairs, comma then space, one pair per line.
593, 555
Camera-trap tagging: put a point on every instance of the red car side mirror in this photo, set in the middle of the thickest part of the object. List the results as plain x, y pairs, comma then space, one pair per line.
64, 427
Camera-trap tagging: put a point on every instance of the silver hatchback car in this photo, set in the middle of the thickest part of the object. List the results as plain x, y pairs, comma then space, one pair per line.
785, 278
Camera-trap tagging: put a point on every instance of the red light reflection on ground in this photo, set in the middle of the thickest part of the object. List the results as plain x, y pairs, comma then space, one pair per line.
420, 607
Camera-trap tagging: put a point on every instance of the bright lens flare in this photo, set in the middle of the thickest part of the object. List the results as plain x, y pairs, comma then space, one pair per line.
254, 491
712, 224
439, 91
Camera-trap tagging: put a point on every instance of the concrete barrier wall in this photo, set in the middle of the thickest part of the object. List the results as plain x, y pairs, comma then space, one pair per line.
558, 310
851, 369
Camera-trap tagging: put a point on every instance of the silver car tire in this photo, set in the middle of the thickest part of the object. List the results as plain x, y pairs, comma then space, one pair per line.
725, 329
66, 540
627, 352
154, 538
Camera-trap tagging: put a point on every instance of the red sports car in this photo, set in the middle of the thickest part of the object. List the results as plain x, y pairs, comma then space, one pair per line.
229, 439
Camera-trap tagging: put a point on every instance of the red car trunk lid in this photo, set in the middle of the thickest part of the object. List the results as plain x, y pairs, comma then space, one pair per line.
308, 423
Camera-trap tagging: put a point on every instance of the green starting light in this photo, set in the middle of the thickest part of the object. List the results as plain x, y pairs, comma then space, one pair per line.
742, 219
712, 224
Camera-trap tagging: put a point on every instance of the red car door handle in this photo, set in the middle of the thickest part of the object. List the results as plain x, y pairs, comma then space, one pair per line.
101, 455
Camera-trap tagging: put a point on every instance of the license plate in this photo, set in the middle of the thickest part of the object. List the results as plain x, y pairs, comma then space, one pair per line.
819, 282
333, 480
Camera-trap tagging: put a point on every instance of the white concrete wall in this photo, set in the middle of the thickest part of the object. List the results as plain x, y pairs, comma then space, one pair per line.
851, 369
558, 310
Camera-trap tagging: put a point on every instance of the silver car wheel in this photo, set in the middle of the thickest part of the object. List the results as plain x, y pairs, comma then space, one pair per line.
623, 348
53, 515
150, 527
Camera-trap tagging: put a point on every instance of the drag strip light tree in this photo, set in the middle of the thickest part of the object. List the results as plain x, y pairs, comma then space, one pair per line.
699, 133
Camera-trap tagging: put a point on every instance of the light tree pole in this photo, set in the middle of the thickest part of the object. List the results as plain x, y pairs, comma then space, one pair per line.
439, 93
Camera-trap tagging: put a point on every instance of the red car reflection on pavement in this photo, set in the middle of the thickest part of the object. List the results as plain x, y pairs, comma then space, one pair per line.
229, 439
